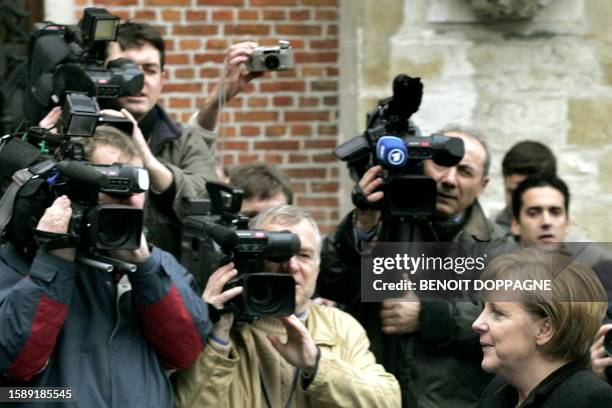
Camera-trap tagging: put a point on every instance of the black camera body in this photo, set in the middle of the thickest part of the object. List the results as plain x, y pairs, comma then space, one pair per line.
213, 240
65, 60
392, 140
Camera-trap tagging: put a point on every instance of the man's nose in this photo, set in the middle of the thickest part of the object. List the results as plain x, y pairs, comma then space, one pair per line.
449, 177
289, 266
546, 219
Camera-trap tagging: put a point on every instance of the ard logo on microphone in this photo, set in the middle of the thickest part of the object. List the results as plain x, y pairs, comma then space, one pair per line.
396, 157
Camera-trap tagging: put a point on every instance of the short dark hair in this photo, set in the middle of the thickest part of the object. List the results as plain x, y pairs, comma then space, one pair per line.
134, 35
546, 180
260, 181
529, 158
474, 134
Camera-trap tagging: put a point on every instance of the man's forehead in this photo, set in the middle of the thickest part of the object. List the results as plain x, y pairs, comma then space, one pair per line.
303, 229
106, 154
143, 55
474, 150
544, 197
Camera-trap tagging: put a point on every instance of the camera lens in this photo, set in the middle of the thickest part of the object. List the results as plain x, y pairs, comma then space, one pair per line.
271, 62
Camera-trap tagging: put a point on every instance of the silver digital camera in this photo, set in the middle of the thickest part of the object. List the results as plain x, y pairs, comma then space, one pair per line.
271, 58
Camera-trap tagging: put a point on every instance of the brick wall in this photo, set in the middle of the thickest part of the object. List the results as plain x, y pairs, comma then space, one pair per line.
286, 118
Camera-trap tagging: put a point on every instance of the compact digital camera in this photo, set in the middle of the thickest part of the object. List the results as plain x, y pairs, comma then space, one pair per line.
271, 58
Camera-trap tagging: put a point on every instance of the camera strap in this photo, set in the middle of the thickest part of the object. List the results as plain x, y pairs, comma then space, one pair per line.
291, 392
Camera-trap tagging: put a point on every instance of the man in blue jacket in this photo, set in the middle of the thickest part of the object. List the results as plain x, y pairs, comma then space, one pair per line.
111, 339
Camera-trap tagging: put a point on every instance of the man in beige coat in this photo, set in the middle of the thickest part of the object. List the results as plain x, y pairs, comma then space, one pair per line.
318, 357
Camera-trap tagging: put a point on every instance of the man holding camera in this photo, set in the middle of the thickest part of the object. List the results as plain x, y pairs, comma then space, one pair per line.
109, 339
317, 357
185, 152
426, 344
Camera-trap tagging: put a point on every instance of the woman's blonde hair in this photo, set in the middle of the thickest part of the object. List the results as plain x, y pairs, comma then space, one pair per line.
575, 305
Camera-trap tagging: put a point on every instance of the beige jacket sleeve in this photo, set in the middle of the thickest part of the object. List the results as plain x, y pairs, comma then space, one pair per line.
348, 375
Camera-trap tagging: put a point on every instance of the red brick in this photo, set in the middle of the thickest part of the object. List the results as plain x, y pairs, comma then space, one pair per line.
235, 103
299, 14
275, 130
323, 158
216, 44
306, 172
228, 160
209, 72
332, 71
309, 101
110, 3
293, 116
178, 103
195, 15
172, 3
273, 158
184, 73
285, 74
196, 29
270, 3
297, 29
326, 229
227, 131
310, 57
298, 158
177, 59
278, 145
248, 15
247, 158
282, 86
327, 130
246, 29
330, 101
169, 44
257, 102
329, 3
144, 15
250, 131
283, 101
301, 130
332, 30
189, 87
256, 116
208, 57
326, 15
318, 44
312, 71
317, 202
171, 15
221, 2
334, 172
297, 187
274, 15
234, 145
222, 15
190, 44
320, 144
324, 187
324, 86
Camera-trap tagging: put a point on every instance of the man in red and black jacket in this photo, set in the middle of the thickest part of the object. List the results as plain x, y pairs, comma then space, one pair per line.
112, 340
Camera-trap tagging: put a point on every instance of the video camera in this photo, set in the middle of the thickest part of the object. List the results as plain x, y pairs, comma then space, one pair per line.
223, 236
40, 178
66, 67
392, 140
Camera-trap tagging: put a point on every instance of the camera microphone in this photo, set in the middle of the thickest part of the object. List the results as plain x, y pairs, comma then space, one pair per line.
391, 151
226, 237
81, 173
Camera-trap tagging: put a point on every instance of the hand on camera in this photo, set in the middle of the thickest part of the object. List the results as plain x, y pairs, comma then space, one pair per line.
50, 121
300, 349
368, 218
217, 298
56, 219
134, 256
599, 358
400, 315
236, 76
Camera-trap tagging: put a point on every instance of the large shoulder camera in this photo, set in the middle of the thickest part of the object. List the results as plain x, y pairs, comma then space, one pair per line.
271, 58
392, 140
64, 60
213, 240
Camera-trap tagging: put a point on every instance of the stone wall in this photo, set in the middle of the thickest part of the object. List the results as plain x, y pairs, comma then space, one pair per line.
547, 78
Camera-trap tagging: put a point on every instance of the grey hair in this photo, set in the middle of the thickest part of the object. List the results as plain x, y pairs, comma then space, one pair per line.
474, 134
288, 215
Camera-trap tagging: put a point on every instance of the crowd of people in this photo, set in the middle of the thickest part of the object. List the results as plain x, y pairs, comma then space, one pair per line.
149, 338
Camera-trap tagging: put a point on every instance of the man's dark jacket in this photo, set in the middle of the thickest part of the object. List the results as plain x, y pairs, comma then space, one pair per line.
439, 365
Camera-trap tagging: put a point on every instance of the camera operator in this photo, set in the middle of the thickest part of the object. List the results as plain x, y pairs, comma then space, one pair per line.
317, 357
110, 338
427, 345
186, 152
264, 187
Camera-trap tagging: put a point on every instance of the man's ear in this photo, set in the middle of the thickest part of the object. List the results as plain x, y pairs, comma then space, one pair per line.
164, 77
545, 332
515, 227
484, 183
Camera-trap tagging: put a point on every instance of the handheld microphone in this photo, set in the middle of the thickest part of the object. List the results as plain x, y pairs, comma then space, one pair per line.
391, 151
